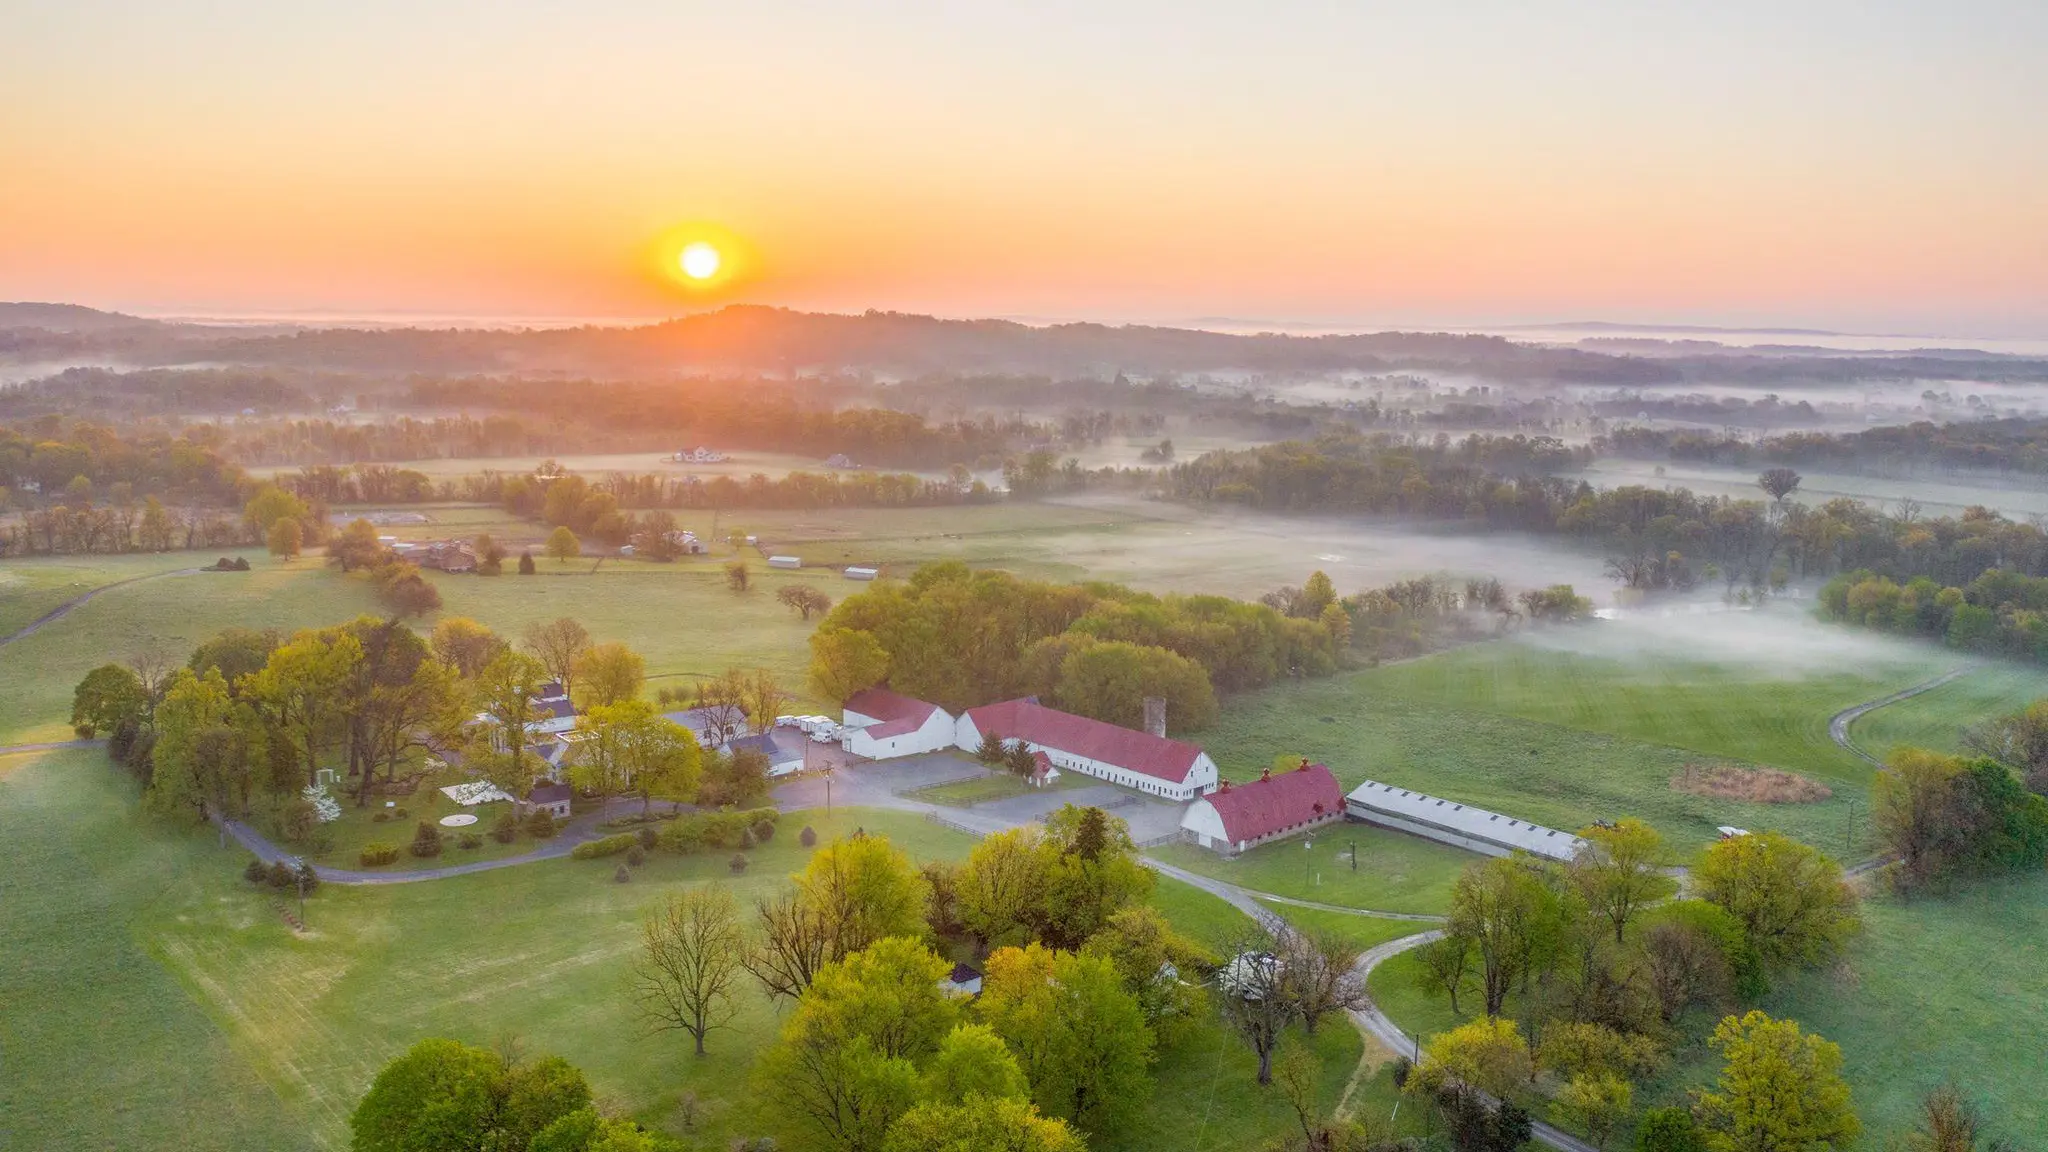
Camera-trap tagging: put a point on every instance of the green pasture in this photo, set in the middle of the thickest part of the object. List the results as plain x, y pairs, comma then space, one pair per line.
1395, 872
1359, 930
1936, 718
217, 1026
1544, 772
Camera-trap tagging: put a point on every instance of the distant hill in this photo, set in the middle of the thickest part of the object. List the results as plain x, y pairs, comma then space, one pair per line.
68, 318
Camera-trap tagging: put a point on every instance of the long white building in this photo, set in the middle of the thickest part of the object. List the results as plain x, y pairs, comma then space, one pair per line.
1172, 769
1459, 825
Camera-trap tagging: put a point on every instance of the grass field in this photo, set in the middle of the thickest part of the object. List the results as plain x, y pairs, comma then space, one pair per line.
1936, 719
1363, 931
30, 589
1395, 872
219, 1027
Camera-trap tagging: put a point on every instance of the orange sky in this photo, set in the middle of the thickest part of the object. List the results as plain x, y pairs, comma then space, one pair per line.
1873, 165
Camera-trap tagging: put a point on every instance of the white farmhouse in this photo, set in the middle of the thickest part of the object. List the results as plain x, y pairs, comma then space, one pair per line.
1150, 763
880, 724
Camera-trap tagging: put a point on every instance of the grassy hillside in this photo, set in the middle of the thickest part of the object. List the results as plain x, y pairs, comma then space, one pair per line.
1937, 718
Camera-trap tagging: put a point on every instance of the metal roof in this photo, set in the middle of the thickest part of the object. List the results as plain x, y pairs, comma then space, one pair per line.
1465, 820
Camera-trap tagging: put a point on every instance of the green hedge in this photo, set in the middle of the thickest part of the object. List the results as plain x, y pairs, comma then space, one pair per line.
701, 830
374, 854
604, 846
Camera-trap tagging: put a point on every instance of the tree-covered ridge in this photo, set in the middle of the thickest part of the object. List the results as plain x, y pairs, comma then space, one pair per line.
961, 638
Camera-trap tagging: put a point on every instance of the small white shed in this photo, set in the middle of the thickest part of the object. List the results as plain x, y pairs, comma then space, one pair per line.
785, 562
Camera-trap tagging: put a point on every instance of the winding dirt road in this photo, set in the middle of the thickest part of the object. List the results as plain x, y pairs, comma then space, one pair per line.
1838, 724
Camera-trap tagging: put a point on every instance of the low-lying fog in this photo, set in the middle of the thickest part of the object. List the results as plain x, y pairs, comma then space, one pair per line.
1171, 547
1780, 640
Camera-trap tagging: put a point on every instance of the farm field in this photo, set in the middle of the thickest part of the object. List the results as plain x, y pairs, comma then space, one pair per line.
1396, 872
1938, 495
208, 1007
1936, 719
680, 617
28, 590
1361, 931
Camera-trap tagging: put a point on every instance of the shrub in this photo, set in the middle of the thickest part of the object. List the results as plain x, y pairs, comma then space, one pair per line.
808, 837
426, 842
380, 816
746, 838
604, 846
307, 880
682, 836
280, 875
256, 872
399, 813
621, 876
764, 831
505, 828
540, 824
374, 854
526, 567
636, 856
648, 838
738, 863
469, 841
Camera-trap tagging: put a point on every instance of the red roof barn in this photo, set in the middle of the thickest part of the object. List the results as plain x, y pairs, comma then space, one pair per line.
1235, 817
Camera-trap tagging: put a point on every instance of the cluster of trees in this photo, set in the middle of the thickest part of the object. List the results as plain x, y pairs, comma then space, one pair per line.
1999, 613
1942, 818
1603, 968
244, 726
1423, 614
81, 488
962, 638
1080, 984
445, 1096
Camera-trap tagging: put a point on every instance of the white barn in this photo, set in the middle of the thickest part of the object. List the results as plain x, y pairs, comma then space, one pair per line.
880, 724
1459, 825
1171, 769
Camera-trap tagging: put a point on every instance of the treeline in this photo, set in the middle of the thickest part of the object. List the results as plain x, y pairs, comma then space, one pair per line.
1999, 613
961, 638
52, 459
1998, 446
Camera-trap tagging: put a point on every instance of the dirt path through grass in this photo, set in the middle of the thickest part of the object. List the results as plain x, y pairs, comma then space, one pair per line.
71, 605
1838, 724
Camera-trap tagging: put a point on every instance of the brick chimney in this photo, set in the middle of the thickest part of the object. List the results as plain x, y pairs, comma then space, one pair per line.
1155, 715
1265, 773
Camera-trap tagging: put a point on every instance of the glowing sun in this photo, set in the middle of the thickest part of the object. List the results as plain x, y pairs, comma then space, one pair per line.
699, 261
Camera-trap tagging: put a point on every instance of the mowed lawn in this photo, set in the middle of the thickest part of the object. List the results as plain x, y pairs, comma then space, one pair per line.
31, 588
1395, 872
1936, 719
100, 1045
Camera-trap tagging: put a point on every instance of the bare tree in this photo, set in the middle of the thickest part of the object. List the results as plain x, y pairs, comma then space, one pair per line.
1254, 997
1445, 961
557, 644
1319, 975
722, 702
153, 664
804, 598
1778, 483
796, 941
693, 952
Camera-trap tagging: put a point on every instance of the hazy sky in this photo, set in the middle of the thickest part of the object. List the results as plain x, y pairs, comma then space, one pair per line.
1873, 165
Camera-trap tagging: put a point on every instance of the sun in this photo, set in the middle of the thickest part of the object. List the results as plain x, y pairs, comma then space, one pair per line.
699, 261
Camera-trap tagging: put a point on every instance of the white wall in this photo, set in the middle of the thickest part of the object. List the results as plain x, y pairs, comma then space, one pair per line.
1201, 777
936, 733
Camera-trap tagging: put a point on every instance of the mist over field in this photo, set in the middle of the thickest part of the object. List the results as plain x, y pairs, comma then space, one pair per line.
1779, 640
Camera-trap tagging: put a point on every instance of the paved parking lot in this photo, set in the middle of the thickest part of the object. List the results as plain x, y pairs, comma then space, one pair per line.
884, 784
1148, 818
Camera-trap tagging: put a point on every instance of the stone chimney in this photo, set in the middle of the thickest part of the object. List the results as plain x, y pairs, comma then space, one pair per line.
1155, 715
1265, 774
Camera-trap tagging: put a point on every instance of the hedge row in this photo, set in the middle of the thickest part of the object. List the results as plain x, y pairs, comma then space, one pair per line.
374, 854
604, 846
742, 829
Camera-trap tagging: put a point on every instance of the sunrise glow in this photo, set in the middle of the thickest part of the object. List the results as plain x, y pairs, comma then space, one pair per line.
699, 261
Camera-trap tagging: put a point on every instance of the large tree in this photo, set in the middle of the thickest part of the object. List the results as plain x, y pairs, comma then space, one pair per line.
1002, 887
1792, 903
1080, 1038
1617, 872
299, 692
558, 644
110, 695
690, 964
504, 692
1779, 1090
1509, 917
444, 1096
866, 889
980, 1124
844, 661
465, 644
189, 760
845, 1067
608, 674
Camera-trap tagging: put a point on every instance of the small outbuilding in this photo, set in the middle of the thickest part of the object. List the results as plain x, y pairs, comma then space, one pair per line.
857, 572
1236, 817
961, 981
550, 798
791, 562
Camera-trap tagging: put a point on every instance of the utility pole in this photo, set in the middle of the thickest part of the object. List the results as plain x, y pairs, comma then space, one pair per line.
1307, 860
1354, 855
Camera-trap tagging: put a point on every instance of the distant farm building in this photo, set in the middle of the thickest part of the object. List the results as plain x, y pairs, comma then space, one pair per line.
785, 562
840, 460
880, 724
1146, 761
961, 981
700, 455
858, 573
445, 556
1459, 825
784, 749
1236, 817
